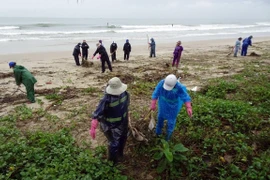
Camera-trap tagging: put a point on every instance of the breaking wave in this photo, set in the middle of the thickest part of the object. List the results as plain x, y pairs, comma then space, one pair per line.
52, 32
9, 27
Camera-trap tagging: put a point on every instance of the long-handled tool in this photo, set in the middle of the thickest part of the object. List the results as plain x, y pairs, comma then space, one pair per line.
147, 41
15, 91
113, 52
22, 91
230, 52
18, 89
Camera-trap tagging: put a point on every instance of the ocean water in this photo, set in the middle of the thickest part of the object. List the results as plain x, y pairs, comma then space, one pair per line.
19, 35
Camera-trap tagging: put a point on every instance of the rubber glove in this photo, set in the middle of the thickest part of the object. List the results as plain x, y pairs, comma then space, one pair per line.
92, 131
93, 57
153, 104
189, 109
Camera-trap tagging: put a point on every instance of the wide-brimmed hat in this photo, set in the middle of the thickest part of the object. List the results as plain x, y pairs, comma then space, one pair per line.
170, 82
116, 87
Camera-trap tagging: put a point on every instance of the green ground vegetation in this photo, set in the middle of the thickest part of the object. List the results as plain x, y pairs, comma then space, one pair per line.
227, 138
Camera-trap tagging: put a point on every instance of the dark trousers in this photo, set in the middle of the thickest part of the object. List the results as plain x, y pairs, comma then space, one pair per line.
244, 50
77, 60
152, 53
113, 56
116, 144
85, 55
30, 91
103, 64
126, 55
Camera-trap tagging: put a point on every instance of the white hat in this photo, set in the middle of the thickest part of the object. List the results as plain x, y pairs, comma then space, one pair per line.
170, 82
116, 87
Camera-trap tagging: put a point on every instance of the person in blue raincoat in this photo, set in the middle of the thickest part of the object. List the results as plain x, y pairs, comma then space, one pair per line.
171, 95
152, 46
112, 114
246, 42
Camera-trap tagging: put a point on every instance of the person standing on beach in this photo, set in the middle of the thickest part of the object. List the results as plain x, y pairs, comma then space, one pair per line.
177, 54
113, 50
77, 53
85, 48
112, 114
127, 50
171, 95
152, 45
237, 46
103, 56
23, 76
246, 42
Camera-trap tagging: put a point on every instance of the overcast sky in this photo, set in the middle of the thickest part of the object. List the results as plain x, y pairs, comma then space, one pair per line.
241, 9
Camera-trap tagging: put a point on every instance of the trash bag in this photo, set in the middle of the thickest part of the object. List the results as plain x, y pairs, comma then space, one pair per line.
254, 54
137, 135
152, 122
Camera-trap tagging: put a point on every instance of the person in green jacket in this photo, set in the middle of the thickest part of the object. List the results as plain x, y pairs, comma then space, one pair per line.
23, 76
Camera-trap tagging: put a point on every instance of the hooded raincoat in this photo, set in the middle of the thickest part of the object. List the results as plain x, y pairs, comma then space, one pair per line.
127, 50
112, 113
169, 105
104, 58
246, 42
153, 48
76, 53
85, 48
23, 76
113, 49
177, 55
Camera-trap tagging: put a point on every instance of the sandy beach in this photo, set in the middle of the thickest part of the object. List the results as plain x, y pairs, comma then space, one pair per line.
82, 87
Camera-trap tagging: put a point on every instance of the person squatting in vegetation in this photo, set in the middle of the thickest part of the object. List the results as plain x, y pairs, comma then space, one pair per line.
152, 46
113, 50
85, 48
170, 95
103, 56
112, 114
23, 76
77, 53
237, 46
127, 50
246, 42
177, 54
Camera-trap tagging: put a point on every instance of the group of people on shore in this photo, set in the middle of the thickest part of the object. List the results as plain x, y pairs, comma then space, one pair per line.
23, 76
246, 43
77, 52
103, 55
100, 48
